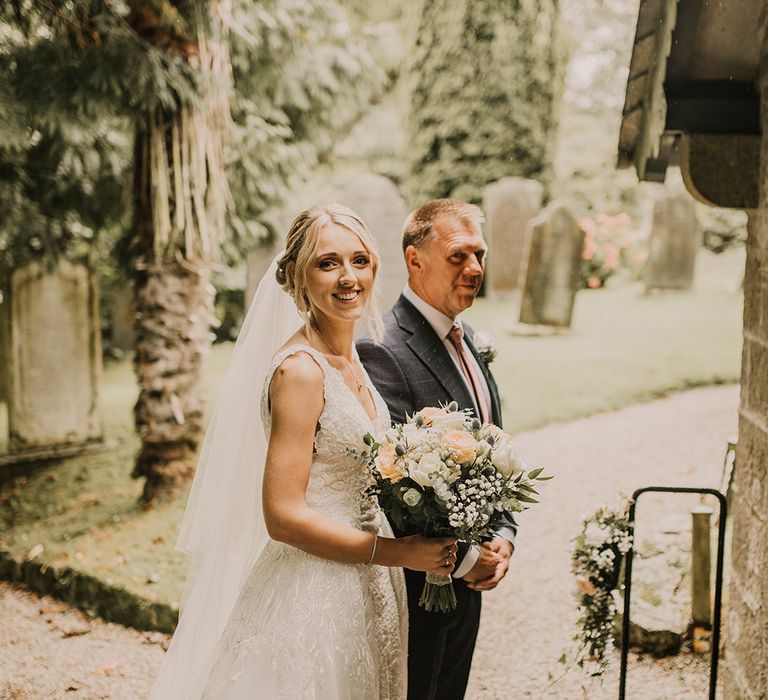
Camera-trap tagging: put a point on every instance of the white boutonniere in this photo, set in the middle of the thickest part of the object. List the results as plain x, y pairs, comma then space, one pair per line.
485, 347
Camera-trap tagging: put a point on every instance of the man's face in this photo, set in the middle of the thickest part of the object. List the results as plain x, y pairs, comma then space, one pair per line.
448, 269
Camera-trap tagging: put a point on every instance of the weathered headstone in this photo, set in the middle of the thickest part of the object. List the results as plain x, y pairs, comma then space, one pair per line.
257, 262
3, 346
552, 272
54, 359
259, 258
377, 201
674, 241
122, 312
509, 204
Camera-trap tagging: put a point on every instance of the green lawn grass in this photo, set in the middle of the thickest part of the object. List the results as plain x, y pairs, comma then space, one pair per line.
624, 347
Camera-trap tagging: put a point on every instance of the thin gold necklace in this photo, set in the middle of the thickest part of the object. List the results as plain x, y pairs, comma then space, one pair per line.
338, 354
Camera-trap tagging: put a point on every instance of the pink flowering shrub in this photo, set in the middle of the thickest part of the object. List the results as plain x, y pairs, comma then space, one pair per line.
610, 244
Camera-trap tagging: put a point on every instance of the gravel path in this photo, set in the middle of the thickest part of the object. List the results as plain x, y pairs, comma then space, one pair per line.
48, 650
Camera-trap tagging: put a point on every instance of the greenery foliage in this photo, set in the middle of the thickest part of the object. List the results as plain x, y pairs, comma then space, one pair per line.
301, 76
486, 81
74, 76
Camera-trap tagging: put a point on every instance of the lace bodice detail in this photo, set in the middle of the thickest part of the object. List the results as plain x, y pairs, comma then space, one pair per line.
338, 479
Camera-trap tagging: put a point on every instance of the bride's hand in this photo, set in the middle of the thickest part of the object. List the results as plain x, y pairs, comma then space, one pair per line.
434, 554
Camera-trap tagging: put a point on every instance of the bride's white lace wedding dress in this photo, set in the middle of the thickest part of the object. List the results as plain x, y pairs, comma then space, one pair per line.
306, 627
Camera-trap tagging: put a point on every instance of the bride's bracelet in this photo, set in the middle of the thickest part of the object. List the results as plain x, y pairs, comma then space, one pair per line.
373, 549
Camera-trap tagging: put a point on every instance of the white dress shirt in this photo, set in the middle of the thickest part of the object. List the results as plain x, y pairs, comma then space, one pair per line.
442, 325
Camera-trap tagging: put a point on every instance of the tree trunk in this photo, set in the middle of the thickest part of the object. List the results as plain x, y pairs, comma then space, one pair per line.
174, 305
181, 197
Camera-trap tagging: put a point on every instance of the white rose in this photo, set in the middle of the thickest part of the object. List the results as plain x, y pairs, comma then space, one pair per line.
507, 460
427, 465
594, 535
448, 421
483, 449
412, 497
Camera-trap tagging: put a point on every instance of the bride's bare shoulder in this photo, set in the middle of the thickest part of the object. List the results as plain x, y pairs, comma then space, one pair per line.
299, 374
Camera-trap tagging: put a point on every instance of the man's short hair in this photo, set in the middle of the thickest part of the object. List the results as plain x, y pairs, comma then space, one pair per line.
418, 227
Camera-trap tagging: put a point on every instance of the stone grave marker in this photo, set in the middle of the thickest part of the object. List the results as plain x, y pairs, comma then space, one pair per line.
552, 272
378, 202
509, 204
54, 363
122, 312
674, 242
3, 346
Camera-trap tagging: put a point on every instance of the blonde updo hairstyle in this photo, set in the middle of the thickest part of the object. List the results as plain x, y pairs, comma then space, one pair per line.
300, 248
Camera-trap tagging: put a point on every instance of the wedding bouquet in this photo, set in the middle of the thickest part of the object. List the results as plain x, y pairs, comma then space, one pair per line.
443, 473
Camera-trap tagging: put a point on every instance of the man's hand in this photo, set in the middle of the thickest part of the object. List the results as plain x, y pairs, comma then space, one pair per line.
501, 550
484, 567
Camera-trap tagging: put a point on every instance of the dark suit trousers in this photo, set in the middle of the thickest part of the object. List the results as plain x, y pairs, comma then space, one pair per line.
440, 645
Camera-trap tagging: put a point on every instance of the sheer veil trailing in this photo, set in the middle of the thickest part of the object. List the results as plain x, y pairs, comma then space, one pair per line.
223, 527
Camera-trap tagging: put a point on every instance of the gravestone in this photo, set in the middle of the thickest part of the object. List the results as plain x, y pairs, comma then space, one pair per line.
54, 366
377, 201
257, 262
674, 241
3, 346
552, 271
509, 204
122, 312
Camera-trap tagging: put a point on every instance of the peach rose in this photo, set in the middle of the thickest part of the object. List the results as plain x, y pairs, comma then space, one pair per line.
386, 463
461, 444
427, 414
585, 585
496, 433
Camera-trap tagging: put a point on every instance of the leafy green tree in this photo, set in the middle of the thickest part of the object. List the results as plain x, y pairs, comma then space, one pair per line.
301, 76
163, 68
486, 78
117, 129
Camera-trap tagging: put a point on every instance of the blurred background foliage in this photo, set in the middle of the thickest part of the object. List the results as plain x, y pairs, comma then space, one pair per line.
301, 77
441, 97
486, 79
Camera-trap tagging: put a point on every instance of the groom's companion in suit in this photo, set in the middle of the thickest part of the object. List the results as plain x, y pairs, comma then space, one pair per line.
427, 358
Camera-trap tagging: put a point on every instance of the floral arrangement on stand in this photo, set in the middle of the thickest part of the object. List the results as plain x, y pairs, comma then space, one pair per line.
610, 244
445, 473
598, 555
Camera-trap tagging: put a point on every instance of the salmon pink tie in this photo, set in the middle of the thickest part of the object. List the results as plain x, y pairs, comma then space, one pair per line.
456, 334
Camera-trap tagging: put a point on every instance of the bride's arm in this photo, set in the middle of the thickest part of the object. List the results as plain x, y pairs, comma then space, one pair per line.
296, 399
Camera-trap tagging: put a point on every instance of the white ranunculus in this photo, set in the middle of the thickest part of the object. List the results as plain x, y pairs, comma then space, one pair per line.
412, 497
483, 448
392, 435
428, 464
594, 535
448, 421
507, 460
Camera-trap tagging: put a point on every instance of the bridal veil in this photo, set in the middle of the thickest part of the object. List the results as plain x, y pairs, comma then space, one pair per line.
223, 526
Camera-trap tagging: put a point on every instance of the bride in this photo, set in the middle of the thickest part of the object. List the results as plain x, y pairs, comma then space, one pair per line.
297, 589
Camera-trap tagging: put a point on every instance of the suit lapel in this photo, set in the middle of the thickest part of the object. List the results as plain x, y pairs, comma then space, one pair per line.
431, 352
492, 388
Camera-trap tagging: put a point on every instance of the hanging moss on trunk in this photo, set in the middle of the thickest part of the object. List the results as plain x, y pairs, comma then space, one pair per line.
486, 78
181, 199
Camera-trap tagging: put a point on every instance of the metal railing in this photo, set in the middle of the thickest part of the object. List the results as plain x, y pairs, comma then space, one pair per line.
715, 653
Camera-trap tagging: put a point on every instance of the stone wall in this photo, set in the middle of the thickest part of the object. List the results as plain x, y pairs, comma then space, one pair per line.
746, 670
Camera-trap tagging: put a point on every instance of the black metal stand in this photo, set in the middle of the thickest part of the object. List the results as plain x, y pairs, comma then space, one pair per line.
718, 584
